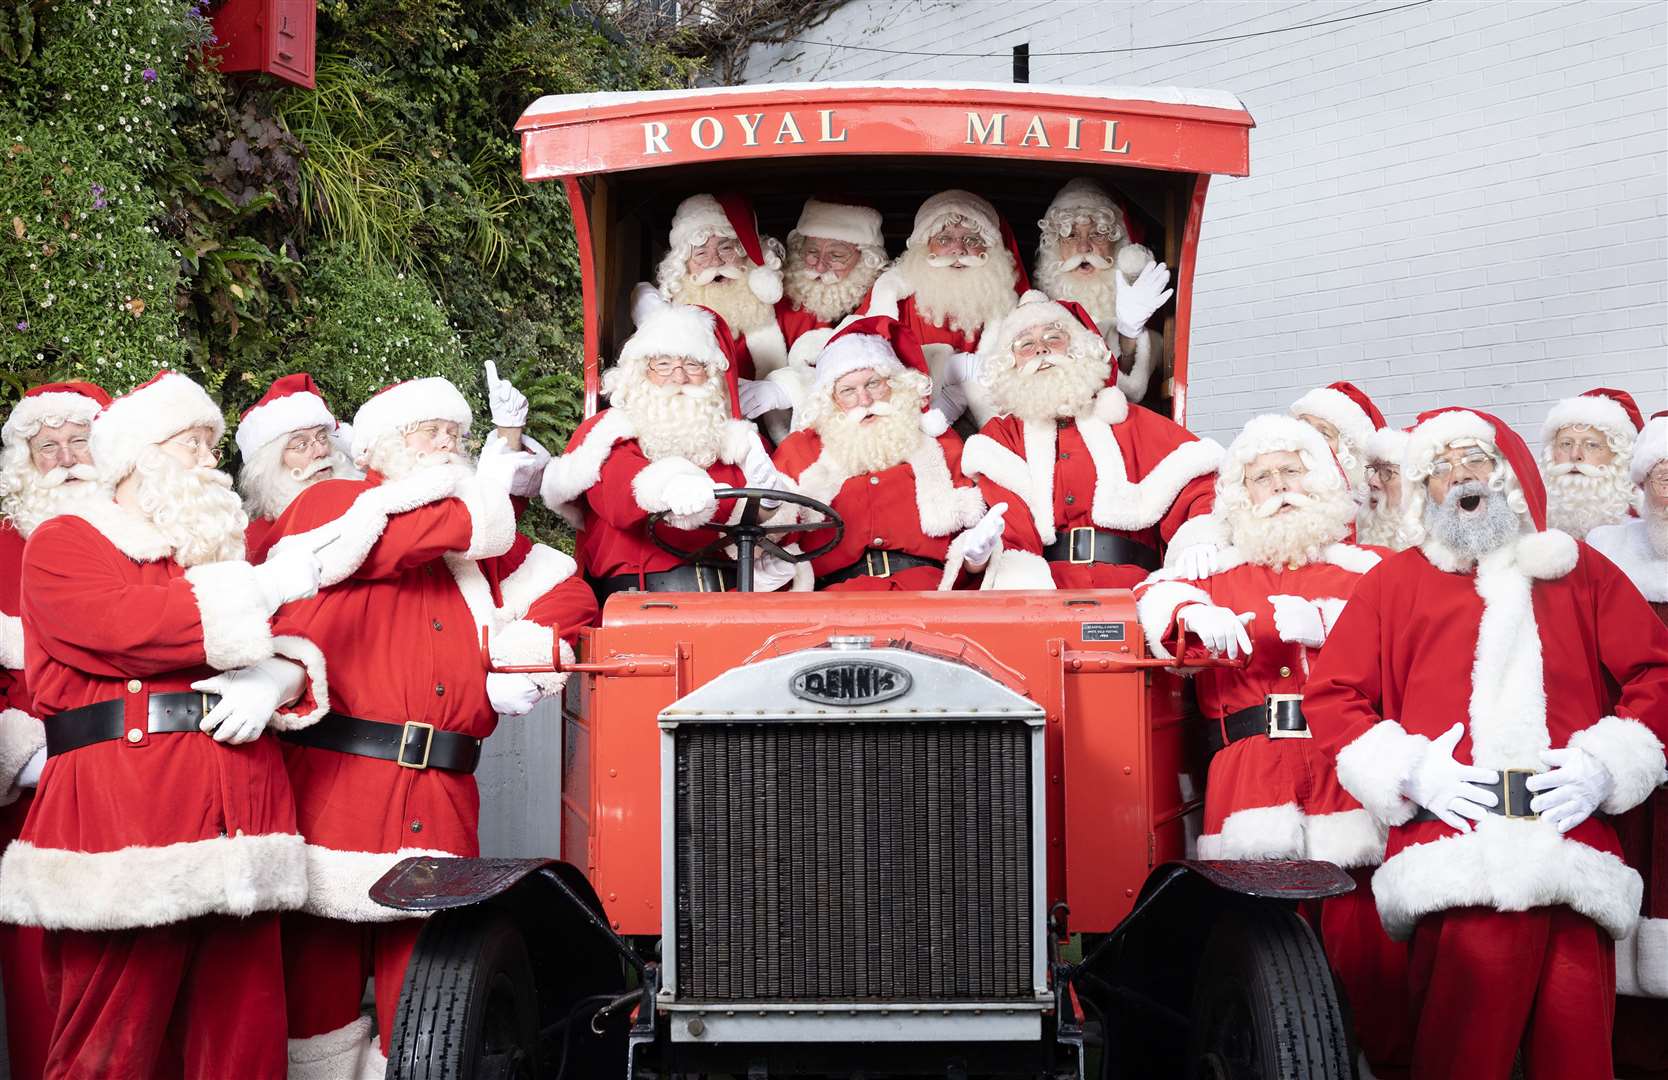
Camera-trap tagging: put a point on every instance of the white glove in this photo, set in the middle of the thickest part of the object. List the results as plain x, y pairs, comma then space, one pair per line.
759, 396
512, 694
1577, 785
691, 497
1448, 789
505, 469
30, 774
1199, 561
287, 574
1297, 619
1137, 300
769, 572
509, 405
1219, 630
961, 367
248, 698
982, 537
949, 402
529, 463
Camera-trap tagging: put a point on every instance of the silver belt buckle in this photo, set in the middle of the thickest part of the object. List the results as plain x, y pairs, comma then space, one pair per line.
1272, 705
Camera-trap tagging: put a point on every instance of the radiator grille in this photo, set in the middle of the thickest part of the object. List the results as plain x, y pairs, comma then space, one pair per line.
847, 862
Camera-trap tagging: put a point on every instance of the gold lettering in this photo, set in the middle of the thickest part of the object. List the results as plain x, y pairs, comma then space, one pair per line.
828, 127
749, 127
788, 130
988, 134
1034, 130
1111, 138
716, 129
654, 138
1073, 125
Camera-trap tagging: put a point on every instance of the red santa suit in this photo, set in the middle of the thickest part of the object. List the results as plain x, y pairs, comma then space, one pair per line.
420, 567
291, 405
165, 905
1542, 645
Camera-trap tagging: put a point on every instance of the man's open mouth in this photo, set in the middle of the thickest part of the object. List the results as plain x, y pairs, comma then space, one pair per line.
1469, 503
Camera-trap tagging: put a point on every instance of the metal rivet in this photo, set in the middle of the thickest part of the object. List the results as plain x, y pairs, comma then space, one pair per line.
1128, 770
439, 689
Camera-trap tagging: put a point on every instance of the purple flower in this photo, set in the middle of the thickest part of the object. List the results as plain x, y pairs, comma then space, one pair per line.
149, 74
99, 201
23, 324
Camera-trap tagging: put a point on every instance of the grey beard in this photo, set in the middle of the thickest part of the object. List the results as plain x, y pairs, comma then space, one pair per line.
1472, 536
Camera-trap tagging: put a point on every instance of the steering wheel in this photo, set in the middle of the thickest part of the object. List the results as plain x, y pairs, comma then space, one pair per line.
747, 534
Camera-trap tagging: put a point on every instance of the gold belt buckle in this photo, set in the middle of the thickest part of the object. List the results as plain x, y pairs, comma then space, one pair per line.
1272, 706
428, 745
885, 563
1071, 546
1506, 809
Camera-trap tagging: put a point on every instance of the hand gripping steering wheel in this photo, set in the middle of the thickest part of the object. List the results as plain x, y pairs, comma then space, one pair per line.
747, 534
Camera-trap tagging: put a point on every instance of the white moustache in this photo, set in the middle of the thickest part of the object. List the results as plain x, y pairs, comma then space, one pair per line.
1273, 504
859, 413
693, 390
62, 475
943, 261
1578, 468
1069, 263
713, 273
806, 275
307, 472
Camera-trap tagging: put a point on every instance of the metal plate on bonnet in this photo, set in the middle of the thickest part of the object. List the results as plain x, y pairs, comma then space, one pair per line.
1103, 631
850, 682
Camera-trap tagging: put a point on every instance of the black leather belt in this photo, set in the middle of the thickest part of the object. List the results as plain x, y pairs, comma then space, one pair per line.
103, 721
702, 577
1280, 716
1511, 796
1086, 544
877, 562
411, 745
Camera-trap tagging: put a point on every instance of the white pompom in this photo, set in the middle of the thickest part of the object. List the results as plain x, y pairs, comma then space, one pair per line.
933, 423
1133, 259
765, 283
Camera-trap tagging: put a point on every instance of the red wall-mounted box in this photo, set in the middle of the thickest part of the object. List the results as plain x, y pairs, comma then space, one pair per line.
274, 36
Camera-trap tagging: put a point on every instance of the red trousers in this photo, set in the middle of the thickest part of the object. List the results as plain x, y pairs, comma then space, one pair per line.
326, 963
28, 1018
1373, 971
1486, 982
201, 999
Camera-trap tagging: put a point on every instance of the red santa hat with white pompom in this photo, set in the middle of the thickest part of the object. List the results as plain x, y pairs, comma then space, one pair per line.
1613, 412
291, 403
702, 216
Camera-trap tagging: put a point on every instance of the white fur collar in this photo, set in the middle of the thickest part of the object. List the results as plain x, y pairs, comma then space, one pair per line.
1350, 557
570, 475
943, 508
1546, 555
1508, 692
132, 535
1628, 545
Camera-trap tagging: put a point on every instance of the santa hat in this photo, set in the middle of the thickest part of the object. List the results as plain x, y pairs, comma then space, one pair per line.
1650, 449
1036, 309
1269, 434
879, 342
1389, 445
291, 403
851, 222
1083, 196
1346, 407
702, 216
150, 413
402, 404
687, 331
1612, 411
976, 211
1545, 553
63, 402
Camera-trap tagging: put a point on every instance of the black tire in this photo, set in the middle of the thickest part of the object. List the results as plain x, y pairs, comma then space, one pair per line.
469, 1006
1264, 1004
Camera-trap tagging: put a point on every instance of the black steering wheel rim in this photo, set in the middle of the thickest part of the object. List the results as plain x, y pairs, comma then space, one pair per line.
747, 533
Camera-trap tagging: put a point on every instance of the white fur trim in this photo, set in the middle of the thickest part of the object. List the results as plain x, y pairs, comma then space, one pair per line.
1434, 435
1548, 554
1204, 529
1120, 504
934, 423
807, 347
1375, 766
1388, 445
1111, 405
31, 412
151, 886
339, 883
357, 530
374, 1065
854, 352
11, 642
966, 205
1650, 449
1330, 608
146, 416
521, 643
1349, 838
411, 402
335, 1055
845, 222
1508, 697
1133, 383
491, 518
543, 569
311, 659
236, 632
984, 456
21, 736
889, 290
1642, 960
1156, 604
653, 483
1632, 753
570, 475
941, 507
127, 532
1011, 568
1628, 545
1596, 411
513, 639
1270, 433
1337, 409
1509, 864
1351, 557
1262, 832
681, 330
767, 347
274, 419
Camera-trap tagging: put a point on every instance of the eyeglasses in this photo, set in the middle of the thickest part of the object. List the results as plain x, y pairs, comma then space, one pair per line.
724, 251
1047, 341
193, 442
48, 450
665, 365
838, 256
1476, 463
1570, 444
1385, 473
1291, 474
1657, 482
435, 429
319, 438
972, 243
847, 395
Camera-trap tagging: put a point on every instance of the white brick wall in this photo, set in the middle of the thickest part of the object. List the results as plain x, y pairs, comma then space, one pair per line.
1458, 203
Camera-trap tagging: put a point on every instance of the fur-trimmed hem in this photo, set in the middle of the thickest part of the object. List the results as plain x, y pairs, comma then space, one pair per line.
1261, 832
1628, 545
317, 697
335, 1055
1011, 568
134, 887
983, 456
652, 485
339, 882
1349, 838
1642, 960
1632, 753
21, 737
11, 642
1509, 864
543, 569
1204, 529
1376, 765
491, 519
236, 632
1156, 608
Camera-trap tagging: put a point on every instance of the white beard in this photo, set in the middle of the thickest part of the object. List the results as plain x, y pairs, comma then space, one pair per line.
730, 298
1579, 502
1656, 531
1294, 538
829, 301
966, 299
394, 460
196, 510
30, 498
268, 487
1378, 524
1097, 292
874, 447
685, 421
1067, 389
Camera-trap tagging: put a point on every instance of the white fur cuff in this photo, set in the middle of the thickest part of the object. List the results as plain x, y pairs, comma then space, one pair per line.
311, 659
21, 735
1350, 838
491, 519
11, 642
1642, 960
235, 628
335, 1055
1156, 607
523, 644
1374, 767
1204, 529
1011, 568
1631, 752
339, 883
654, 483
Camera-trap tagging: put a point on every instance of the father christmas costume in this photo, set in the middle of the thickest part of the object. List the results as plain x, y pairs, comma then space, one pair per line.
162, 937
420, 559
292, 405
1096, 487
810, 307
655, 451
28, 499
1583, 494
896, 481
1352, 413
1536, 645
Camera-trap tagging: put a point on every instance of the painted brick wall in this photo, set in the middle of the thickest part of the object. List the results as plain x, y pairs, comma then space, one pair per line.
1457, 203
